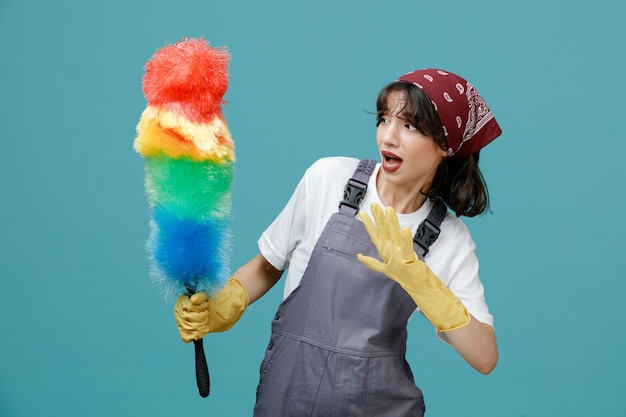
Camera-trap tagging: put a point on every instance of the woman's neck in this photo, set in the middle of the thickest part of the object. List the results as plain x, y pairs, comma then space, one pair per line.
402, 197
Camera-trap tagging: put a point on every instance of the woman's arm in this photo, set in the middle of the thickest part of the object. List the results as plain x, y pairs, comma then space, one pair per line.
257, 276
198, 315
476, 343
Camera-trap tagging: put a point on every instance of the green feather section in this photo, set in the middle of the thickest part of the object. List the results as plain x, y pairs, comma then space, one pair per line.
190, 189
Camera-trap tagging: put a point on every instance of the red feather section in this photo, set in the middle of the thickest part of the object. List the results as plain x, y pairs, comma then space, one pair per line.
189, 78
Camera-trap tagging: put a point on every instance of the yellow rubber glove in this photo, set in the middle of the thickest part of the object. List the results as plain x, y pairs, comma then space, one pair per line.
198, 315
400, 263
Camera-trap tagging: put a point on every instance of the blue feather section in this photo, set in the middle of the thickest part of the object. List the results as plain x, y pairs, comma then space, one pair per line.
188, 252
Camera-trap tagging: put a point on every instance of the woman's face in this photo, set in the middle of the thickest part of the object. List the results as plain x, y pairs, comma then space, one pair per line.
408, 157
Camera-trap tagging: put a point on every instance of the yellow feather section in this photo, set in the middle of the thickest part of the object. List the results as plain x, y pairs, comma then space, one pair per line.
162, 131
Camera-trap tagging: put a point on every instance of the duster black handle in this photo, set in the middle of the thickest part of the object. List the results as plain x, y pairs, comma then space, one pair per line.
202, 370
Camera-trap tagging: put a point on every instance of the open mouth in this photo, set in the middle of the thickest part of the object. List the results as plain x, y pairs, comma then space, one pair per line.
391, 162
390, 158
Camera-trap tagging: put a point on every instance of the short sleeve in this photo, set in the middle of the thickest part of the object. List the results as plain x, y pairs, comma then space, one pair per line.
279, 240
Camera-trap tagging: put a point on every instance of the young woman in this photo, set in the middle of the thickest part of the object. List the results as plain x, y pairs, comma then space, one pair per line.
353, 280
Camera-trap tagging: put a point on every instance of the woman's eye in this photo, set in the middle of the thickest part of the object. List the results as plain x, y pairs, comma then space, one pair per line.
410, 127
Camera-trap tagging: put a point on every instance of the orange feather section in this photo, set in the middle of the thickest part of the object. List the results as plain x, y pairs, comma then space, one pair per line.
165, 132
189, 78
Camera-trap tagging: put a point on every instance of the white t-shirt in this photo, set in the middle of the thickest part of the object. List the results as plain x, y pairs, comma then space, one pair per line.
289, 241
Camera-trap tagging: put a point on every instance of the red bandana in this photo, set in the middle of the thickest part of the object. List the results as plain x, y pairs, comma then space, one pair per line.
467, 121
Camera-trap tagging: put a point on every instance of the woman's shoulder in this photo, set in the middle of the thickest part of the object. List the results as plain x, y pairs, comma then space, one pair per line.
332, 168
335, 162
455, 231
452, 256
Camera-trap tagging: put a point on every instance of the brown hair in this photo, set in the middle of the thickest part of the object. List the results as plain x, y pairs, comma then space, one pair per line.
458, 180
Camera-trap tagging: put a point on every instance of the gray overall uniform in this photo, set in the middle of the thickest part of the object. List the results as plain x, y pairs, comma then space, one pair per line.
338, 340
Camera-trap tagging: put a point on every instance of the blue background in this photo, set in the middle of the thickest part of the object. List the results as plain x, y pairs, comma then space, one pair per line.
84, 332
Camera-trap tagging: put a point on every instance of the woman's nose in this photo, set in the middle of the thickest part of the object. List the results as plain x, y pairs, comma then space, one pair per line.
390, 134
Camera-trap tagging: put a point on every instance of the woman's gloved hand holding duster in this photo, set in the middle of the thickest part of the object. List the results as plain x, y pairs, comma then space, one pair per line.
400, 263
198, 315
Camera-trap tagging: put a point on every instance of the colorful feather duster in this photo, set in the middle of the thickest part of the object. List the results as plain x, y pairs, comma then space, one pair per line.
189, 157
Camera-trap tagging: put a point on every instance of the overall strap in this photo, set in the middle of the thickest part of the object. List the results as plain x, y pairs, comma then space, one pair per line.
429, 230
356, 187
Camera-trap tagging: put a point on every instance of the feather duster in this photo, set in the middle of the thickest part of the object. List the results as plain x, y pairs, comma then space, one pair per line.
189, 157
